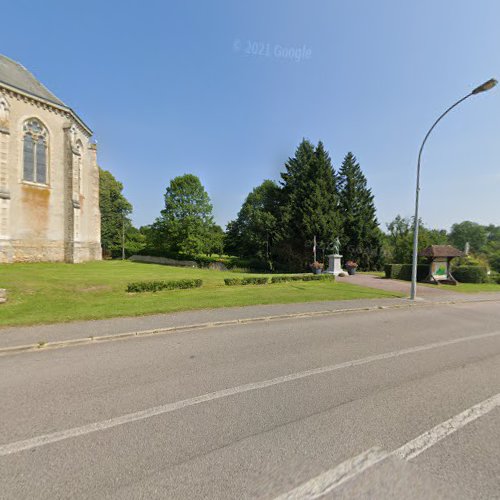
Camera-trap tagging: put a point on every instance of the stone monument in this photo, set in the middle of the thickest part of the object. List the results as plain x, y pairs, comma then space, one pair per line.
334, 259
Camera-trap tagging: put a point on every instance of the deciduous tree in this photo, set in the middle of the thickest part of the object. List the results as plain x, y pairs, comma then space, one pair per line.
115, 211
254, 231
471, 232
186, 222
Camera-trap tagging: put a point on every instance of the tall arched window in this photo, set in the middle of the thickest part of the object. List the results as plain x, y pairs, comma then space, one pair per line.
35, 152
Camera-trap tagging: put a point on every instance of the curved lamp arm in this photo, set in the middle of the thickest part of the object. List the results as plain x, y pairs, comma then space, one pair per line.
482, 88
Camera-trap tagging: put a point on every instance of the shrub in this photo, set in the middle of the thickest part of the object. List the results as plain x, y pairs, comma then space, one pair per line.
232, 281
318, 277
156, 286
245, 281
324, 277
494, 277
403, 271
470, 260
285, 279
278, 279
254, 281
494, 260
470, 274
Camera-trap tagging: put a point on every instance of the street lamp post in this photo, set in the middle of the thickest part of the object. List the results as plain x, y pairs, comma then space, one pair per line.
482, 88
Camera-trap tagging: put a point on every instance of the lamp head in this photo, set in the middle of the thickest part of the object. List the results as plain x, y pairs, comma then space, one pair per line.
485, 86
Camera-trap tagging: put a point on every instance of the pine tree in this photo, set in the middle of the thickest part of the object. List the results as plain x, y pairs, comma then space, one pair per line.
361, 236
308, 206
320, 214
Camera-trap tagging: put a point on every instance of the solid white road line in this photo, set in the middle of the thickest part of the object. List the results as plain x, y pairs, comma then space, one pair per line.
8, 449
331, 479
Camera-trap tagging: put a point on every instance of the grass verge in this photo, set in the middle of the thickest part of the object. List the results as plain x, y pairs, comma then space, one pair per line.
470, 287
53, 292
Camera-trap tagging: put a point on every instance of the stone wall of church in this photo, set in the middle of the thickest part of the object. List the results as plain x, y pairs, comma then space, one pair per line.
59, 221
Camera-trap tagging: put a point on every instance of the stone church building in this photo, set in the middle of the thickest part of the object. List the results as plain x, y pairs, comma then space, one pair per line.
49, 179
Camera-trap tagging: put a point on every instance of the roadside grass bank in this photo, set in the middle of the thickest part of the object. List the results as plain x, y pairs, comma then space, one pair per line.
53, 292
468, 287
461, 287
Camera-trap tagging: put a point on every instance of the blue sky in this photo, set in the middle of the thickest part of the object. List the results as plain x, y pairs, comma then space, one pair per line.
169, 88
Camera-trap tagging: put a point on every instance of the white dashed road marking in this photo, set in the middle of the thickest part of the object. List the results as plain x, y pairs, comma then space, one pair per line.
28, 444
333, 478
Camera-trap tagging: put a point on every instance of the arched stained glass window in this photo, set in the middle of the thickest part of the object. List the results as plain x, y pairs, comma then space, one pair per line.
35, 152
29, 164
41, 161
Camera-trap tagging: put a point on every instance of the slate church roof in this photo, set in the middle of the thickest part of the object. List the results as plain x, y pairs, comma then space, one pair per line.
16, 75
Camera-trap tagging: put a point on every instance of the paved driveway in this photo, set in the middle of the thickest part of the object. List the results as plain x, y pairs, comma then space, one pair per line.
427, 292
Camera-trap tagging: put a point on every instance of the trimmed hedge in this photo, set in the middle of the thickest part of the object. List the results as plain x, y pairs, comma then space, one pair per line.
245, 281
285, 279
278, 279
232, 281
156, 286
403, 271
470, 274
304, 277
318, 277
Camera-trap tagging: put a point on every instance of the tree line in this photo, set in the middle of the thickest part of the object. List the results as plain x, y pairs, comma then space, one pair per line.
481, 242
282, 225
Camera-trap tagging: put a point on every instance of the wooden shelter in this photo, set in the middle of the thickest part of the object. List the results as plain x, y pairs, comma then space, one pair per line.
440, 257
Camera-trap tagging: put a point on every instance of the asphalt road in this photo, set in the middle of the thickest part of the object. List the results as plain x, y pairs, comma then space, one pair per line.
383, 404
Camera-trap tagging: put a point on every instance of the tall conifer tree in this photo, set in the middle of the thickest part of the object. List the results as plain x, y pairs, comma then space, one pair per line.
361, 236
309, 205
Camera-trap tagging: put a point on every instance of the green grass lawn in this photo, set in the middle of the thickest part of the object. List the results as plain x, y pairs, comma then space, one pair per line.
47, 293
470, 287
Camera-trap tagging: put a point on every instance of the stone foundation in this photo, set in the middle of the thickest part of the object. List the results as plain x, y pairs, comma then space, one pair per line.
48, 251
86, 252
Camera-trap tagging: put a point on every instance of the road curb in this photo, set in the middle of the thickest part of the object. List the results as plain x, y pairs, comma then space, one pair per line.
43, 346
